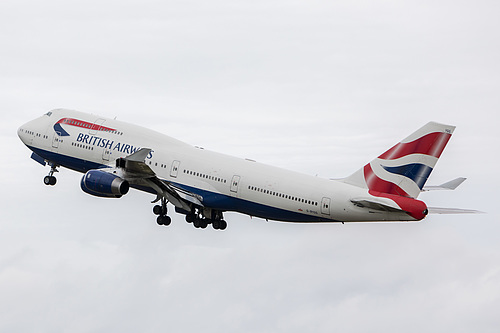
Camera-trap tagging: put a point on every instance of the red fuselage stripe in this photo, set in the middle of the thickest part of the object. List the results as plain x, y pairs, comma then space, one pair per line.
84, 124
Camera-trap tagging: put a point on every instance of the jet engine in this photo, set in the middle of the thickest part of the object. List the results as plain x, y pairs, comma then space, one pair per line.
104, 184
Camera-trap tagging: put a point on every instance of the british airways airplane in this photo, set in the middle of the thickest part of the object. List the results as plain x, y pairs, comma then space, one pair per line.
202, 184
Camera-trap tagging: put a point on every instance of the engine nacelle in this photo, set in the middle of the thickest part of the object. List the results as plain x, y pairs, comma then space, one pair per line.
104, 184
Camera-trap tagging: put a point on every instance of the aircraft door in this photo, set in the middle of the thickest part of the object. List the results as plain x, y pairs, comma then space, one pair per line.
175, 169
325, 206
235, 182
105, 154
56, 139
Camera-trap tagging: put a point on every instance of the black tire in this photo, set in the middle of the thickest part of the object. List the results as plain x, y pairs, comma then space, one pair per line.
157, 210
223, 225
167, 220
159, 220
216, 224
46, 180
190, 218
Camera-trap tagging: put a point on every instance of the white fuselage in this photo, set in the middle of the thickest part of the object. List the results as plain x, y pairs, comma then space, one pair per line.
224, 182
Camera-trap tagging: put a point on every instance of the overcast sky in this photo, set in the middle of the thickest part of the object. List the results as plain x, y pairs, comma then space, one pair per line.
319, 87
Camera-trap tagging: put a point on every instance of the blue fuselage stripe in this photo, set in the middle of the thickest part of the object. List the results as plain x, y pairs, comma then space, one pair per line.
73, 163
213, 200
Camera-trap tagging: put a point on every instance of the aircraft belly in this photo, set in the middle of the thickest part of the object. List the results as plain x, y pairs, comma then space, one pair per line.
223, 202
66, 161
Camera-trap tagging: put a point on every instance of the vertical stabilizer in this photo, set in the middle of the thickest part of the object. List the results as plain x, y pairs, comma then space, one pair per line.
404, 169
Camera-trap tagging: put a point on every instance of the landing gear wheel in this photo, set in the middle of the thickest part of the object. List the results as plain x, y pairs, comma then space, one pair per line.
222, 225
49, 180
166, 220
190, 218
163, 220
161, 211
157, 210
197, 223
216, 224
219, 224
202, 217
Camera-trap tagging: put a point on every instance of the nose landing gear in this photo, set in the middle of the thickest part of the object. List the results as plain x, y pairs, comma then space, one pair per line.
50, 179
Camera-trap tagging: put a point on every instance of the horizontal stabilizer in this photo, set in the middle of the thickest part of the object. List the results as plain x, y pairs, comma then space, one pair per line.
439, 210
372, 204
451, 185
393, 204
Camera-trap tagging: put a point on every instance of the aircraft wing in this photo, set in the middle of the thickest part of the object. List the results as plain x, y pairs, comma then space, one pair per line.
134, 169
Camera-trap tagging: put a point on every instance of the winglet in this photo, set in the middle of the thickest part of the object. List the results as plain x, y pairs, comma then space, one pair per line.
139, 156
135, 163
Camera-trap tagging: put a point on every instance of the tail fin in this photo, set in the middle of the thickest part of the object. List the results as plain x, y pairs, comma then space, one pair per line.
404, 169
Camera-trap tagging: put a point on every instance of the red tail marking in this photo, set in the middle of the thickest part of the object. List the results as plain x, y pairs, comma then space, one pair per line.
375, 183
431, 144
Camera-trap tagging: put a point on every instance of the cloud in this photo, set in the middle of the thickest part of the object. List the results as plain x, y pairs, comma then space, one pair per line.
319, 88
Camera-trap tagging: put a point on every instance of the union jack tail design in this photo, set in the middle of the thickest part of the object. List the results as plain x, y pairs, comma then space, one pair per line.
404, 169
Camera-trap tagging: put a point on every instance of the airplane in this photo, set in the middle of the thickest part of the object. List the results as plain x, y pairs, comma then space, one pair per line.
202, 185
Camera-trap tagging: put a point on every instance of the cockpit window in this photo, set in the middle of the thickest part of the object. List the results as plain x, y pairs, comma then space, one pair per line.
49, 113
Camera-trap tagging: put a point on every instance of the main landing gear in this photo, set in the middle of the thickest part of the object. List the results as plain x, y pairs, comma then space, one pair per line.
50, 179
161, 211
201, 218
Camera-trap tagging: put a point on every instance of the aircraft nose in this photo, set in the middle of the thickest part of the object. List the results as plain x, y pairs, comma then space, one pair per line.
26, 133
21, 133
